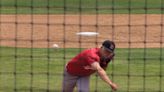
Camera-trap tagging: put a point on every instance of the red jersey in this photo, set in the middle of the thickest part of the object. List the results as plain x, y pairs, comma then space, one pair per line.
77, 65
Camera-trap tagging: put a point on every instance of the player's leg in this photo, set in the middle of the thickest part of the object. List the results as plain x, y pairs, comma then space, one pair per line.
83, 84
69, 82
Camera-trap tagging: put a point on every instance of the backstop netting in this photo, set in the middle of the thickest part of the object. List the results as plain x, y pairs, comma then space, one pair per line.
29, 30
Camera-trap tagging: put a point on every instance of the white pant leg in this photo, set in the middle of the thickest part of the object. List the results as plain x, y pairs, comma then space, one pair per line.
83, 84
69, 82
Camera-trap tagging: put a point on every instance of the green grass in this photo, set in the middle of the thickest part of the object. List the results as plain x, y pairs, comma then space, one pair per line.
41, 70
81, 6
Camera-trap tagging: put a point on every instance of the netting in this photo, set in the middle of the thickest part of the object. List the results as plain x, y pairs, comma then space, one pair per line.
29, 30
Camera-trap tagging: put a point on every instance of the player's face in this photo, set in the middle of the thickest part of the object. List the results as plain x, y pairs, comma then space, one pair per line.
106, 53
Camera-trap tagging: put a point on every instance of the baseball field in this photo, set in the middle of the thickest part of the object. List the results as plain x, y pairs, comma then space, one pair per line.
29, 28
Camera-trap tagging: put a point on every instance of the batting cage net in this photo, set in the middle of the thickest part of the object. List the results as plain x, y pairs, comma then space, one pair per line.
39, 37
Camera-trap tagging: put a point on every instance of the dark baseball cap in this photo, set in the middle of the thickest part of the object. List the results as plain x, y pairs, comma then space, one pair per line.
109, 45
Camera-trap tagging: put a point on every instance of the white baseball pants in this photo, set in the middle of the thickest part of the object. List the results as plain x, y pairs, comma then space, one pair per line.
70, 81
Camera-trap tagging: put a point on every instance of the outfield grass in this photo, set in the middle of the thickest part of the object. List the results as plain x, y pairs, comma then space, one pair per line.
81, 6
40, 70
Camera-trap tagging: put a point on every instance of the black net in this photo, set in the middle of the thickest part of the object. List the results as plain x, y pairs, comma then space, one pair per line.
38, 38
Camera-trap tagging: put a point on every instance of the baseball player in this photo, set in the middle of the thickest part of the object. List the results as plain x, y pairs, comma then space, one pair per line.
79, 69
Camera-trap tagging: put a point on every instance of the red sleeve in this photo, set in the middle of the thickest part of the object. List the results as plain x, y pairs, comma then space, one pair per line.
90, 56
91, 59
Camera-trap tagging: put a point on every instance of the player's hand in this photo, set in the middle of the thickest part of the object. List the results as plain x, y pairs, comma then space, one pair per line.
114, 86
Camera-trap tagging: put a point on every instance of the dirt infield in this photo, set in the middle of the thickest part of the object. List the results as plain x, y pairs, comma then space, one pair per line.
41, 31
